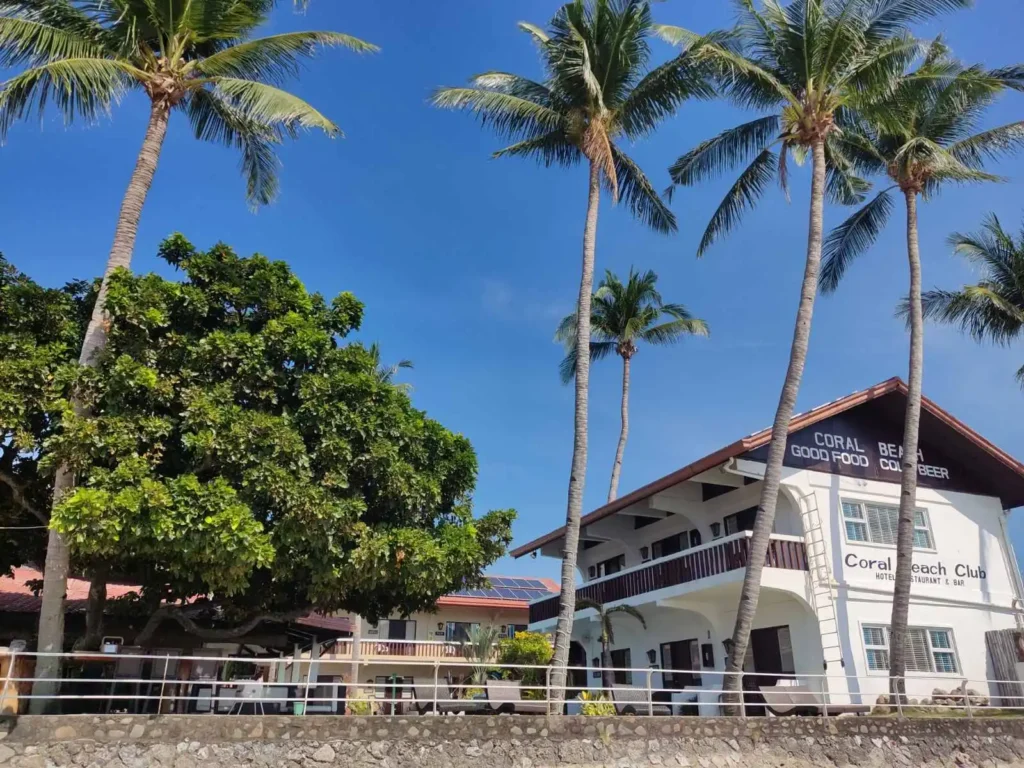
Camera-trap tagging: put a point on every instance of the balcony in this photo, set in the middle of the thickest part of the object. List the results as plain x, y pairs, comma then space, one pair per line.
722, 556
397, 649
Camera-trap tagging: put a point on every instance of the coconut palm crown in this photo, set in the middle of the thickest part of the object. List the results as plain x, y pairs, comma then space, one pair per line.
809, 62
197, 56
597, 91
923, 136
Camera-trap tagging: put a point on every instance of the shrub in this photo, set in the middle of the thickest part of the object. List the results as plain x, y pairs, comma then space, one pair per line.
527, 648
595, 705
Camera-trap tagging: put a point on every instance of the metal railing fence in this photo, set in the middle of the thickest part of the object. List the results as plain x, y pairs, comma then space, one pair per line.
140, 682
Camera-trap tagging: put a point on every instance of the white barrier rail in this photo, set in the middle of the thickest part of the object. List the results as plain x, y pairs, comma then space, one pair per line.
154, 679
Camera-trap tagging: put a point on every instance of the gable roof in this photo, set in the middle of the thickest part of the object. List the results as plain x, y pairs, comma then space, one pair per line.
798, 422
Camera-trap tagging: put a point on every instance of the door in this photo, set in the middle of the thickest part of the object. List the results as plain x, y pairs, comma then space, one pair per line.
680, 655
770, 656
396, 629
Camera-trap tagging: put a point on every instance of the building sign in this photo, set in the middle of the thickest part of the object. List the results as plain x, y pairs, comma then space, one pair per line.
935, 574
859, 444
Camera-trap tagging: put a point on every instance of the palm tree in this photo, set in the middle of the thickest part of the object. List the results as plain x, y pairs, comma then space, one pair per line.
596, 91
993, 308
386, 373
923, 136
808, 62
604, 622
480, 646
621, 316
196, 56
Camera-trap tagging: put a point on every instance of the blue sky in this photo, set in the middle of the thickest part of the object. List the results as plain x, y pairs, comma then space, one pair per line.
467, 263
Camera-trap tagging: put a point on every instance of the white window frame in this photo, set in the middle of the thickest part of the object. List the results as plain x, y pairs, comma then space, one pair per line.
843, 519
932, 650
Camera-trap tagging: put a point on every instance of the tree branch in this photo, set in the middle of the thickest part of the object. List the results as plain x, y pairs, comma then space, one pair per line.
180, 615
18, 494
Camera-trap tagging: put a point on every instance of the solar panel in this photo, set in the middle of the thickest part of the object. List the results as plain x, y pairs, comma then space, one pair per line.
499, 582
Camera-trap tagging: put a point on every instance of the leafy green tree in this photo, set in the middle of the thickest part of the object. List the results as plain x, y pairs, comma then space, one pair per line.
242, 465
993, 308
921, 137
622, 315
528, 649
607, 636
810, 62
40, 330
596, 93
196, 56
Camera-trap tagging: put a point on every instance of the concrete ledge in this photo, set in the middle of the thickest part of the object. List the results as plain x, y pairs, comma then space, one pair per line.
203, 741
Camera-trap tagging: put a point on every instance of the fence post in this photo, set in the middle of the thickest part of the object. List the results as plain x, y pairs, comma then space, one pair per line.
163, 682
437, 666
650, 693
743, 699
305, 691
899, 695
7, 680
967, 699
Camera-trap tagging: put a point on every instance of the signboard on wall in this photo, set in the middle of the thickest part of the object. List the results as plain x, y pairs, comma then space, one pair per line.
859, 444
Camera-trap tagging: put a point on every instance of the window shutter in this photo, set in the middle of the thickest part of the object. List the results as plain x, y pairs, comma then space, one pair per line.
918, 659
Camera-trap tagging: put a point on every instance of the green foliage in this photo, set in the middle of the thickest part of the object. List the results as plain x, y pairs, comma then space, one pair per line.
528, 648
595, 705
479, 647
360, 706
40, 330
623, 315
596, 91
80, 56
993, 308
238, 450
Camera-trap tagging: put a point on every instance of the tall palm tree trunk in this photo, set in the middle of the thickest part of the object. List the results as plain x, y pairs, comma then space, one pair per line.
751, 591
55, 573
577, 476
607, 676
908, 490
613, 489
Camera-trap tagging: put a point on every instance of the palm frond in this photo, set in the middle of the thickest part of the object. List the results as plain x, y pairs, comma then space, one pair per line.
662, 90
268, 105
742, 195
636, 189
991, 144
552, 148
890, 17
629, 610
977, 310
725, 151
30, 41
218, 120
674, 330
537, 33
510, 116
852, 238
274, 58
82, 87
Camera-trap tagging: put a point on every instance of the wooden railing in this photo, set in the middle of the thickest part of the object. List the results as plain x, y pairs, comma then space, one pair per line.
709, 560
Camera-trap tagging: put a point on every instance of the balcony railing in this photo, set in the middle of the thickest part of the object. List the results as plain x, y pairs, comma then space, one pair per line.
728, 554
373, 648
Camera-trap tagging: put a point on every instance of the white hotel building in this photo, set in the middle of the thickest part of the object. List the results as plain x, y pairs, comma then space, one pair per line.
676, 549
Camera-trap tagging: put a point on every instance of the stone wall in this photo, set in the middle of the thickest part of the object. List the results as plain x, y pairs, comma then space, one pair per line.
227, 741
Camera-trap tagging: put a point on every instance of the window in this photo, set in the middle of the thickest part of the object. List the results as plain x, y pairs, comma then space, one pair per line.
458, 631
621, 660
670, 545
611, 565
680, 655
878, 524
740, 521
928, 650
